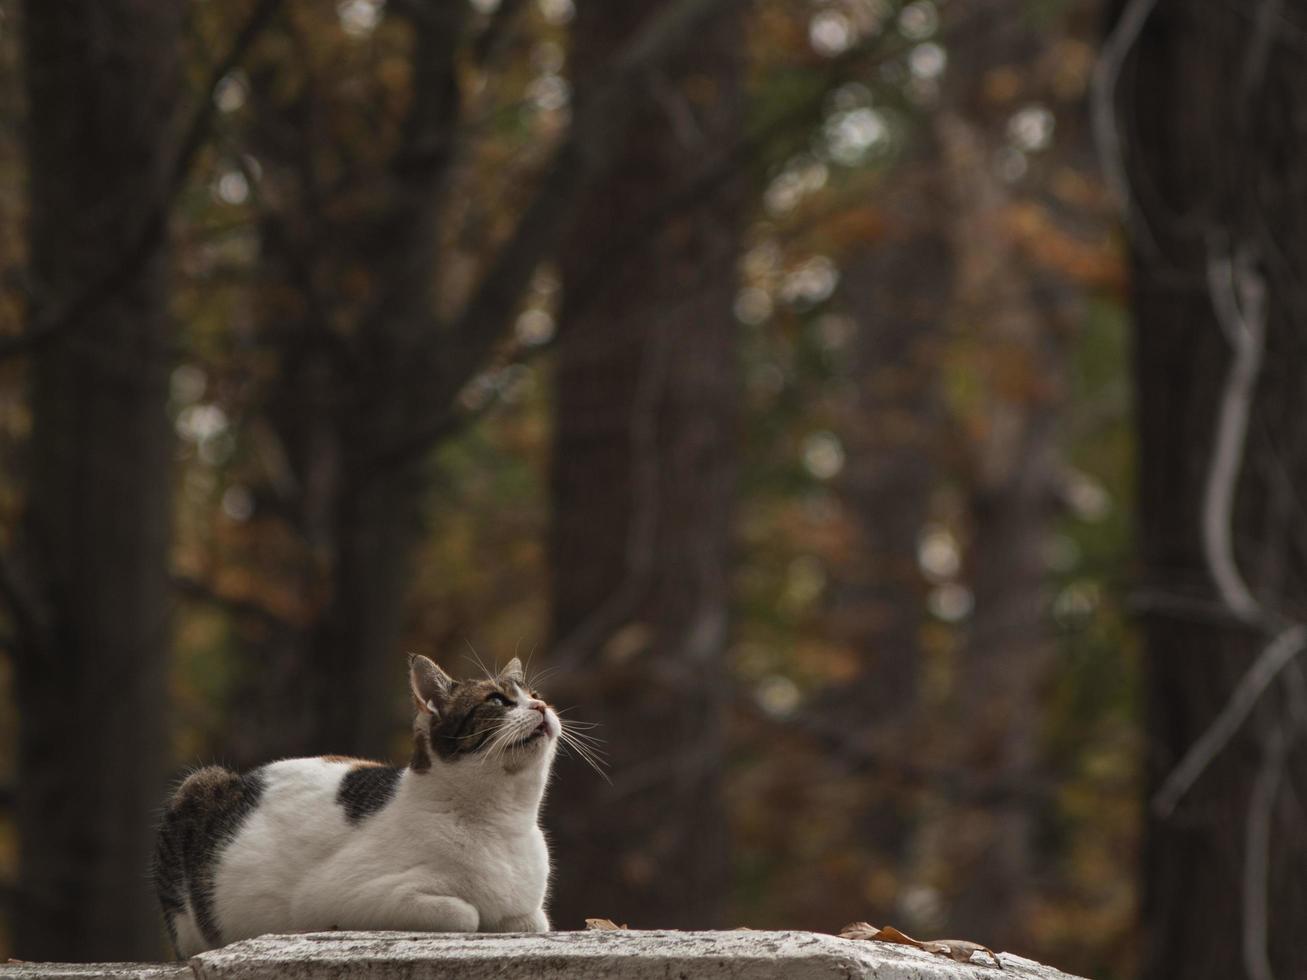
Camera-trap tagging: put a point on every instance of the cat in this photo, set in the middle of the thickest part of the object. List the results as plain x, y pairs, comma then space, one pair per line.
449, 843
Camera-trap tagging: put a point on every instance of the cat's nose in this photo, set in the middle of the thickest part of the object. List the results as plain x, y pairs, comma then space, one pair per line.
539, 706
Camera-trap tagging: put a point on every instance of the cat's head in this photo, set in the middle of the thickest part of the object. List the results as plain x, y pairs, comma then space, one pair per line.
498, 719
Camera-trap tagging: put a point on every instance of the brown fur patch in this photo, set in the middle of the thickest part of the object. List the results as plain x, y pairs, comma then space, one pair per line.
356, 763
421, 761
203, 783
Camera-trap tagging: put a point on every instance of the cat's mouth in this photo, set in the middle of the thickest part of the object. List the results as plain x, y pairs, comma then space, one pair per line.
541, 731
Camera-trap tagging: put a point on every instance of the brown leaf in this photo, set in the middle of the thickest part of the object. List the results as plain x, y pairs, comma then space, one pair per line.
859, 930
891, 935
957, 949
604, 924
961, 950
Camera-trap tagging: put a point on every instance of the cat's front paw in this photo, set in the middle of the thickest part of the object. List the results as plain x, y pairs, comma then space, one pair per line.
535, 921
444, 913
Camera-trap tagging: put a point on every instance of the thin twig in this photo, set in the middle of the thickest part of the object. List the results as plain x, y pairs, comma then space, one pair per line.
1257, 859
241, 608
461, 349
1107, 135
1277, 655
1238, 300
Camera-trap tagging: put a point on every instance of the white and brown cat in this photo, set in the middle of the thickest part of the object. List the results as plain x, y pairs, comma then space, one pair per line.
449, 843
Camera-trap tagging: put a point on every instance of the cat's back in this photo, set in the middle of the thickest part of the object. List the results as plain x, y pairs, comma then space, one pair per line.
296, 818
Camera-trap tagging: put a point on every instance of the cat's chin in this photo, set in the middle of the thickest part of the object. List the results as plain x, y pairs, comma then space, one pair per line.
537, 739
529, 753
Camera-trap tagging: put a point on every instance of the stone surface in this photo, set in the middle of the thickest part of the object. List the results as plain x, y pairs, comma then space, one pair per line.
97, 971
620, 954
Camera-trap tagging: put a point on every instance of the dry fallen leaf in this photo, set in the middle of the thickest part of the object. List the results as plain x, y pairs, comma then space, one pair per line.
956, 949
961, 950
891, 935
604, 924
859, 930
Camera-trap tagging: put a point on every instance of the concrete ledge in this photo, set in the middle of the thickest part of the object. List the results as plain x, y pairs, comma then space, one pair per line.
98, 971
622, 954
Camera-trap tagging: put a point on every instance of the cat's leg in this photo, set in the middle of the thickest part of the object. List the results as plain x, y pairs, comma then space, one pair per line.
387, 903
435, 913
535, 921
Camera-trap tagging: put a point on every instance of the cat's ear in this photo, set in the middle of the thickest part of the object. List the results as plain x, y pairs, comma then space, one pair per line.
513, 673
430, 684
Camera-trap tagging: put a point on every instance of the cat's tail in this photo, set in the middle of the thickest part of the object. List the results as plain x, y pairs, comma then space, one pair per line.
168, 870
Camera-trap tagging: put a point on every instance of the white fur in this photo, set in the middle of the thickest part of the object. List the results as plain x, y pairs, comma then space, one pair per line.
457, 849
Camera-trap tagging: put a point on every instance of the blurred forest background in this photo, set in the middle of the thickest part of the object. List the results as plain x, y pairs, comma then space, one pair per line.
779, 374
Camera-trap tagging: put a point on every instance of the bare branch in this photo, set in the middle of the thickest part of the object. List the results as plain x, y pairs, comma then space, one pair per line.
1238, 299
1194, 609
1107, 75
716, 174
239, 607
53, 320
1277, 655
459, 351
1257, 859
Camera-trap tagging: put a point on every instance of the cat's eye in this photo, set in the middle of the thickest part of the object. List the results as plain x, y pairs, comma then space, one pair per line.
497, 698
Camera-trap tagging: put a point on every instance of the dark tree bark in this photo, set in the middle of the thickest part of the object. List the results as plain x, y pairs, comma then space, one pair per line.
642, 479
92, 660
1214, 137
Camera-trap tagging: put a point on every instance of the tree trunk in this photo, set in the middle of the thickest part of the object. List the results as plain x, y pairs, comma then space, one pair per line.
1011, 311
93, 741
893, 435
1213, 137
1005, 650
642, 481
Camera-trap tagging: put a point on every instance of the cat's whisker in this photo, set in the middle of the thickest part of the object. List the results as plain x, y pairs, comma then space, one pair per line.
596, 766
563, 711
591, 757
481, 731
598, 755
535, 679
582, 736
581, 729
588, 740
498, 745
476, 659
